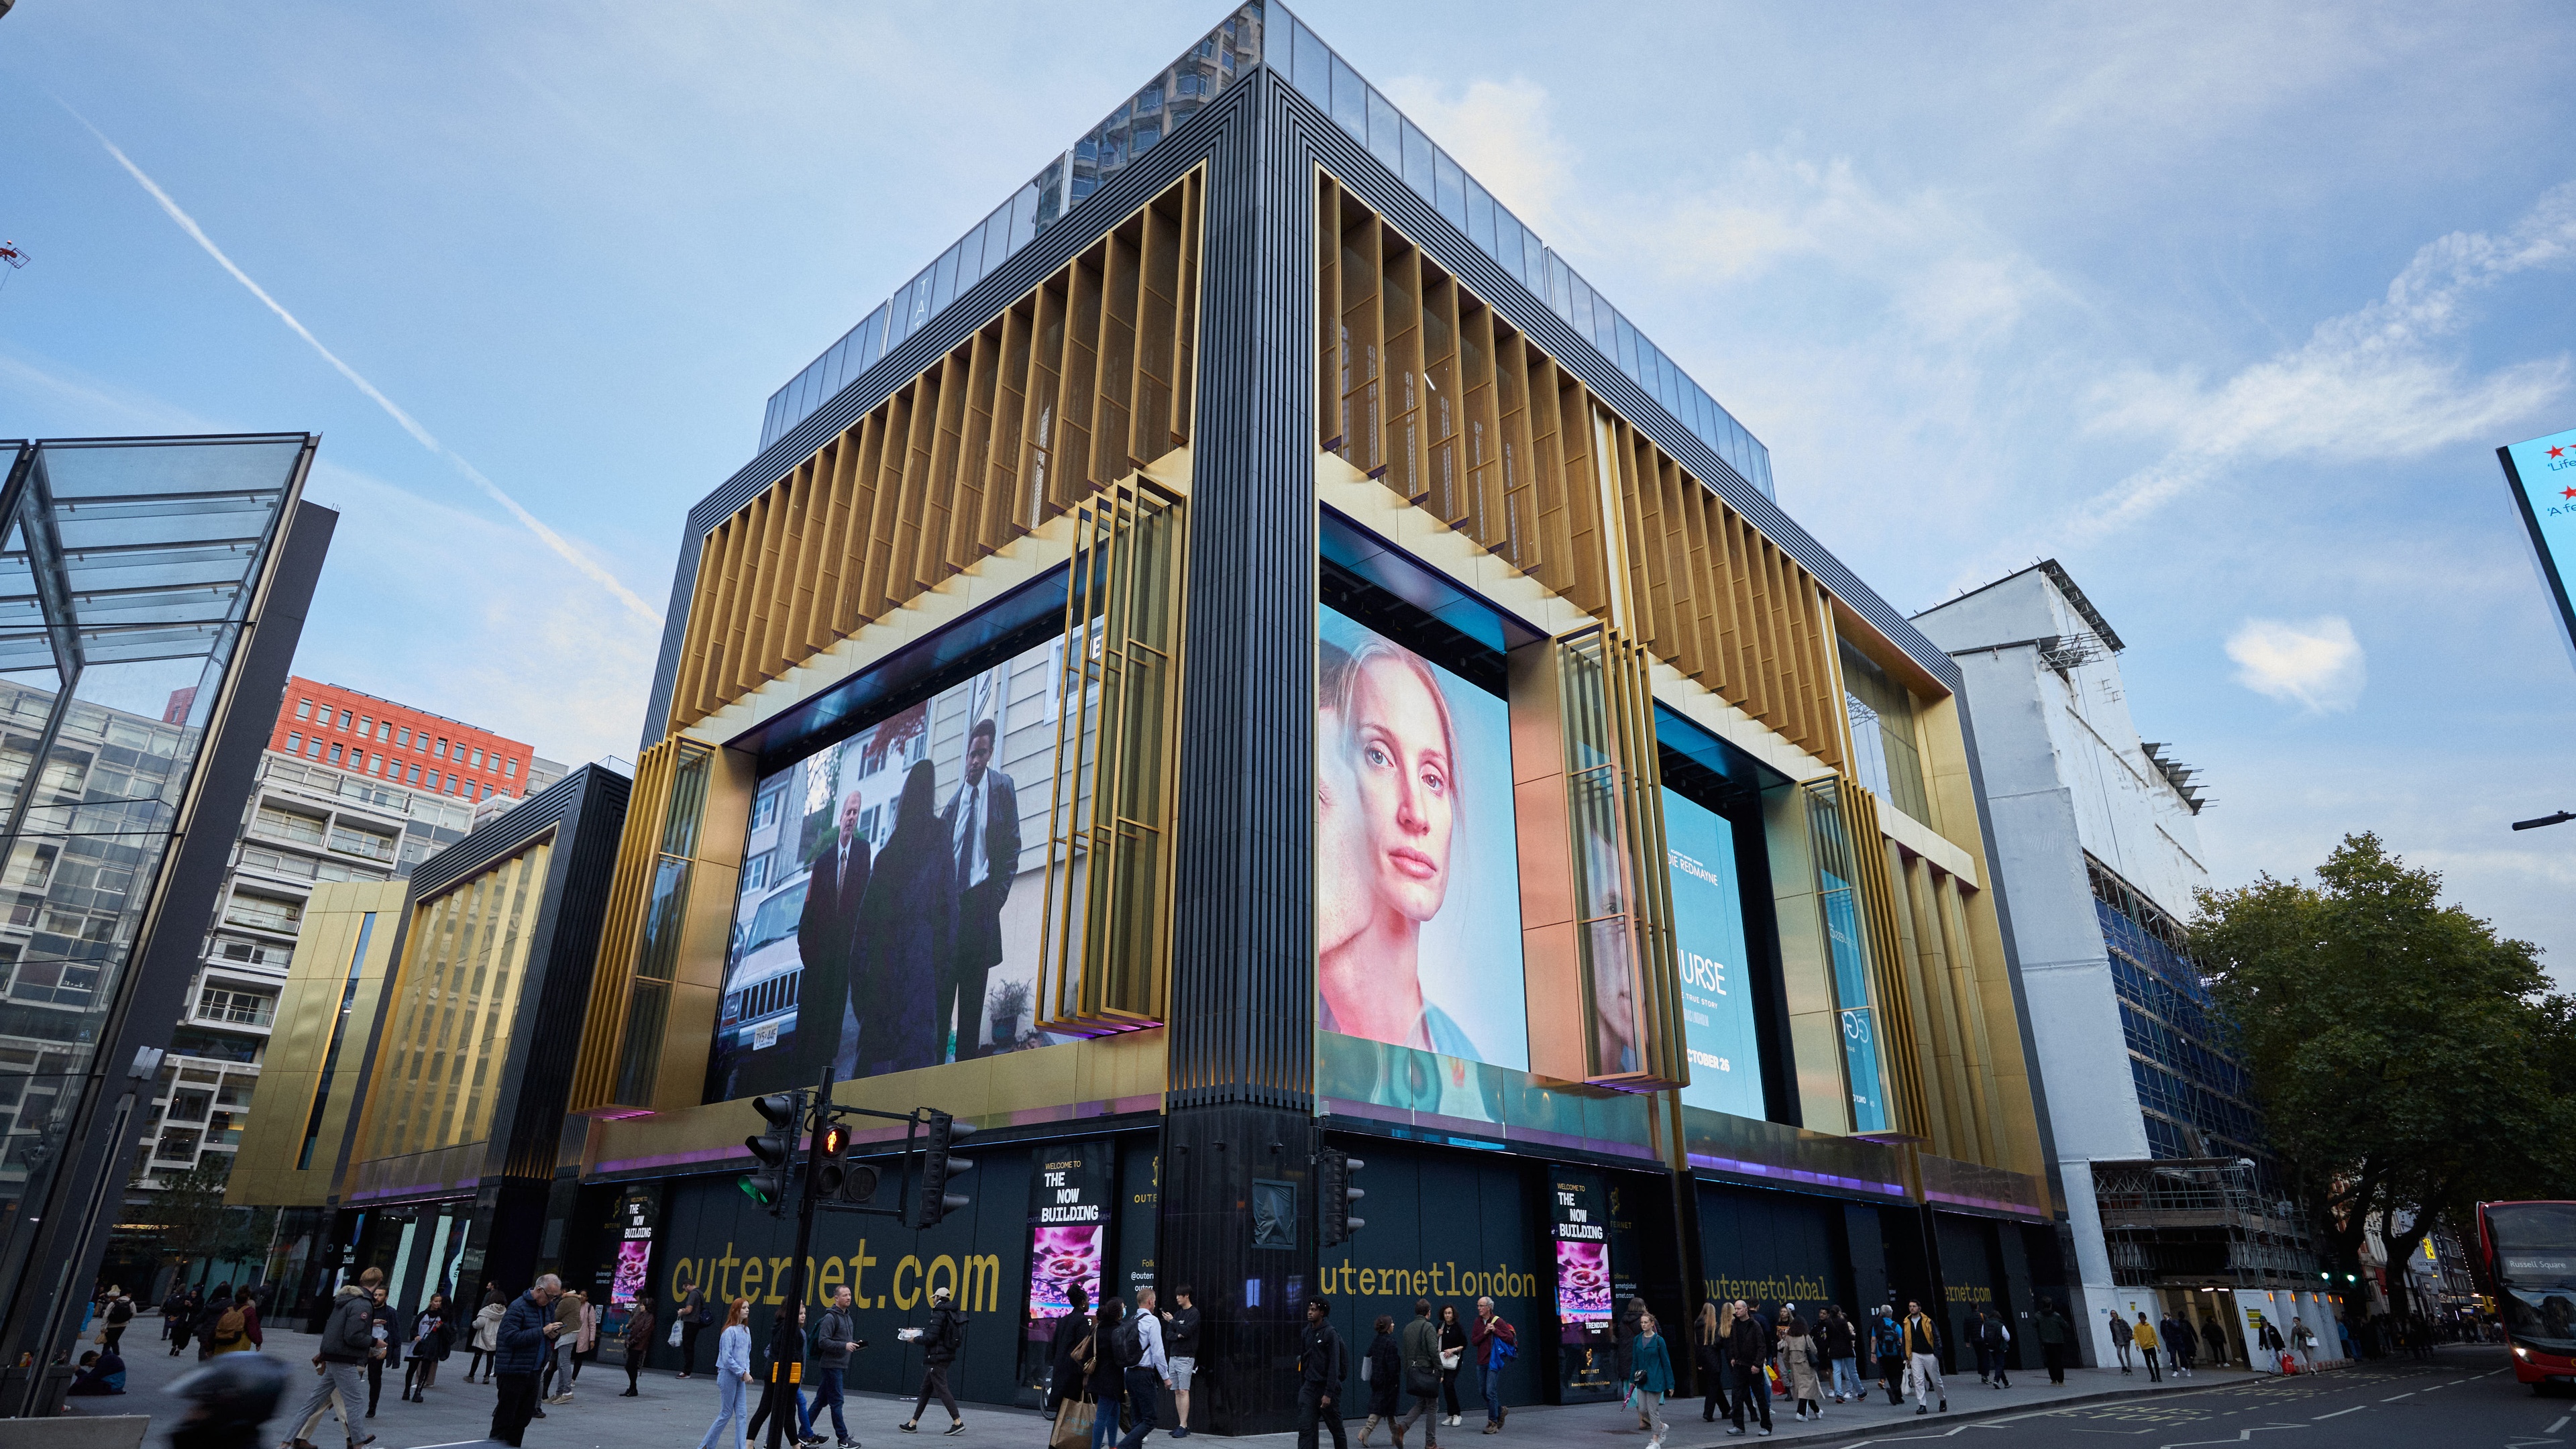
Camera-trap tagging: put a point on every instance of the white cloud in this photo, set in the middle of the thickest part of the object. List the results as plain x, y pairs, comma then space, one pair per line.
1503, 133
2370, 384
2315, 663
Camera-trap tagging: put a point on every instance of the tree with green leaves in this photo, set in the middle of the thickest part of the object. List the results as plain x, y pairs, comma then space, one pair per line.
2408, 1062
195, 1225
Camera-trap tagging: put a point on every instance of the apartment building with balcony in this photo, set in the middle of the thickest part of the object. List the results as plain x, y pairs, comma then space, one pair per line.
325, 807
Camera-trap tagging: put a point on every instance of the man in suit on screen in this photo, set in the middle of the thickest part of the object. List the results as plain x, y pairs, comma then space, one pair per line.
984, 834
826, 934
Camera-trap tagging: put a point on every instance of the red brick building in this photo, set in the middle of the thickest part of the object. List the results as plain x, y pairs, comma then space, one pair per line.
358, 732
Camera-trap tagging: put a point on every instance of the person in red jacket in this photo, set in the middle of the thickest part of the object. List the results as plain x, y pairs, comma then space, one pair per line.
1490, 1332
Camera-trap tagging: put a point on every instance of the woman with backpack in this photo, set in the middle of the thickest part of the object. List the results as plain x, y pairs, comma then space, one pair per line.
1994, 1345
1382, 1369
232, 1331
431, 1336
1105, 1381
120, 1312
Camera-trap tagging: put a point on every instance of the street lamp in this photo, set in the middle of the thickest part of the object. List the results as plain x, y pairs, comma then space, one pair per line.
2561, 818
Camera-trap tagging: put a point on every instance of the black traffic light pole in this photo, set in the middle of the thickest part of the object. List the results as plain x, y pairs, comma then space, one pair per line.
824, 1146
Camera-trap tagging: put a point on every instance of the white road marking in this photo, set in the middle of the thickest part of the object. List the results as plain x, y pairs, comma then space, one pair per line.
2561, 1424
2242, 1436
2393, 1398
2339, 1413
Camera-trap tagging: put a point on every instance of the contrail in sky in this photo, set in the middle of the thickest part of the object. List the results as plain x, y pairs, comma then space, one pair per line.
421, 435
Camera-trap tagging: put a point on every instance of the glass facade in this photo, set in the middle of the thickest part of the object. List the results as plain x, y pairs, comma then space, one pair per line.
1140, 123
1224, 56
2189, 1084
1884, 754
126, 579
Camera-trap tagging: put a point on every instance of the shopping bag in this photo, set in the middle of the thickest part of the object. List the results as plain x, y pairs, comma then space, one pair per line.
675, 1333
1073, 1425
1779, 1385
2289, 1365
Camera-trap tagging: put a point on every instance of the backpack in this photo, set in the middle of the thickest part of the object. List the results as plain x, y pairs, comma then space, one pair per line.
228, 1329
1126, 1345
1500, 1350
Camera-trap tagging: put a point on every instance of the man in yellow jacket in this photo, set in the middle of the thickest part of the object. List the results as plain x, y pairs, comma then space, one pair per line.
1922, 1344
2144, 1336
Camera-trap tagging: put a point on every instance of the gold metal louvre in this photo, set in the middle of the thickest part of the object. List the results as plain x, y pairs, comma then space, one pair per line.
639, 947
1086, 378
1902, 1041
1614, 795
1104, 962
1424, 387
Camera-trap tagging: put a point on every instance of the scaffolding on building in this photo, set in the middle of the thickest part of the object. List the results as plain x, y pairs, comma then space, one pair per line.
2201, 1222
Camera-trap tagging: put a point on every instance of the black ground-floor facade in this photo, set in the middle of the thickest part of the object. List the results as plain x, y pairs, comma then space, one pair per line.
1550, 1239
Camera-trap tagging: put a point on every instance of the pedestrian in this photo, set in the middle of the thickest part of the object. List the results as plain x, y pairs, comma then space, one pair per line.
1748, 1354
1070, 1345
1105, 1376
2144, 1335
2175, 1332
639, 1339
487, 1340
2216, 1338
1624, 1331
588, 1347
1382, 1369
1922, 1347
175, 1319
1887, 1345
1181, 1351
2343, 1331
1708, 1354
940, 1341
1496, 1343
1420, 1343
525, 1340
381, 1325
836, 1337
555, 1381
431, 1335
1453, 1359
1841, 1345
1651, 1377
348, 1345
1322, 1365
1994, 1342
693, 1316
771, 1373
101, 1372
2120, 1337
210, 1310
733, 1376
2056, 1336
1150, 1372
1799, 1359
120, 1312
2304, 1340
235, 1330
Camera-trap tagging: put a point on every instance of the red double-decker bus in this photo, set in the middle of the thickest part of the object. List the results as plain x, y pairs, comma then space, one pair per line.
2527, 1260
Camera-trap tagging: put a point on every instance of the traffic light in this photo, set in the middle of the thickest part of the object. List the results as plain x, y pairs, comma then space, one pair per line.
766, 1184
1333, 1186
937, 1166
859, 1187
824, 1178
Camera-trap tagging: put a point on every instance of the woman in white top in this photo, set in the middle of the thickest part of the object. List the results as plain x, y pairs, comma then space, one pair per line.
733, 1376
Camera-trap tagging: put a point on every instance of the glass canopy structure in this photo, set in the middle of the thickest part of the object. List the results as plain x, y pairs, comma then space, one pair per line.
129, 578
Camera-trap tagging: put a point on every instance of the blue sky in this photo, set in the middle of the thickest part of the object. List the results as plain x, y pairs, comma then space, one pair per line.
2225, 307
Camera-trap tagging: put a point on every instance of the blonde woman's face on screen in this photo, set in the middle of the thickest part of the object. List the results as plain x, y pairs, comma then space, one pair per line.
1406, 800
1341, 852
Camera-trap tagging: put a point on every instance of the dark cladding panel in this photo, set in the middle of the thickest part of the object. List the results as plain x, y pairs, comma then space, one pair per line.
1772, 1248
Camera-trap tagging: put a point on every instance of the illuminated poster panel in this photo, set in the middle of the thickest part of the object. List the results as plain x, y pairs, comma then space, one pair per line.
2542, 473
1708, 944
891, 896
1417, 885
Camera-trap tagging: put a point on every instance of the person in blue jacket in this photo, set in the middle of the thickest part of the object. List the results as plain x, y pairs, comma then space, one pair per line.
733, 1377
526, 1337
1650, 1370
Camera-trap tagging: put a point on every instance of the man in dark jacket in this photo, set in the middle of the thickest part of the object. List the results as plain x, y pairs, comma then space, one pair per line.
983, 823
1181, 1350
2056, 1335
836, 1337
826, 933
1748, 1349
1420, 1351
1322, 1365
525, 1340
348, 1342
940, 1340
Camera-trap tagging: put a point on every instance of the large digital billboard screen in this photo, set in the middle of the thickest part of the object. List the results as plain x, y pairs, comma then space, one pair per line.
891, 893
1417, 885
2543, 475
1708, 946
